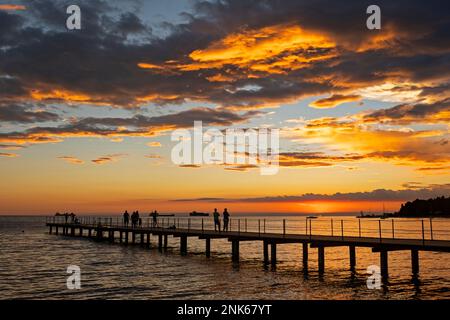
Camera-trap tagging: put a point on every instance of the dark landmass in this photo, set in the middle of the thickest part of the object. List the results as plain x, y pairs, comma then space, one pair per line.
437, 207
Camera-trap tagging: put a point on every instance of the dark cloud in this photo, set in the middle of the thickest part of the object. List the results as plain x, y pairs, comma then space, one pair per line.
181, 119
406, 113
375, 195
314, 159
23, 114
138, 125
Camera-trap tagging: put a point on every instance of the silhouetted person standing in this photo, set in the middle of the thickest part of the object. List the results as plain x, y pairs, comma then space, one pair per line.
226, 218
154, 215
216, 220
126, 218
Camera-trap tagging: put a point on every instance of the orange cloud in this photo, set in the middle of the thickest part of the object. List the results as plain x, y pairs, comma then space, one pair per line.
9, 155
71, 160
352, 135
108, 158
189, 166
154, 144
334, 101
60, 95
8, 7
273, 49
153, 156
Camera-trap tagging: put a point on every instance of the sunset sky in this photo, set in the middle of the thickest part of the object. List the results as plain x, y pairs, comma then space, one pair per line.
86, 115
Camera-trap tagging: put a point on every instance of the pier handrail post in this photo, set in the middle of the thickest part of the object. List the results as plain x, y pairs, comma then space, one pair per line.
189, 224
332, 232
310, 229
359, 227
431, 228
306, 226
264, 225
284, 227
393, 232
245, 221
342, 229
239, 226
259, 227
202, 225
379, 228
423, 233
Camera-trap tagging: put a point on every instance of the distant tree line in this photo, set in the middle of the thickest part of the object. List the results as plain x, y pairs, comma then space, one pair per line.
439, 207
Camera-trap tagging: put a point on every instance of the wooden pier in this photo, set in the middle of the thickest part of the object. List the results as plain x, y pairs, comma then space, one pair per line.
108, 231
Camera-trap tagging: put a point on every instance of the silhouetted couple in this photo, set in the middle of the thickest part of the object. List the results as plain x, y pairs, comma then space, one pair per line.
135, 220
154, 216
226, 219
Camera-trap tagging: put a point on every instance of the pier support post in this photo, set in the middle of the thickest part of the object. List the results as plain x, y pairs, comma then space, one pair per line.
160, 244
305, 256
81, 231
235, 250
133, 237
56, 230
266, 252
321, 252
50, 230
126, 237
384, 263
273, 253
183, 245
142, 239
208, 247
165, 242
89, 232
120, 236
415, 262
111, 236
72, 231
99, 233
148, 240
352, 252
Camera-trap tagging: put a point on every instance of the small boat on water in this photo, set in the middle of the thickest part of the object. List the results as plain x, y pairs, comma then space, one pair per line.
311, 217
198, 214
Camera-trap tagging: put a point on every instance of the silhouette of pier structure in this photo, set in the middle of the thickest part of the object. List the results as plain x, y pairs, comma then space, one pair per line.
381, 241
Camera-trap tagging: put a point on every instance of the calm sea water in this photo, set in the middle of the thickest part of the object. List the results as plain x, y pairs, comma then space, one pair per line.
33, 265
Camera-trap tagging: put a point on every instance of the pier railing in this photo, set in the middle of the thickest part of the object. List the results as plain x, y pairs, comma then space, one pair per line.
407, 228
